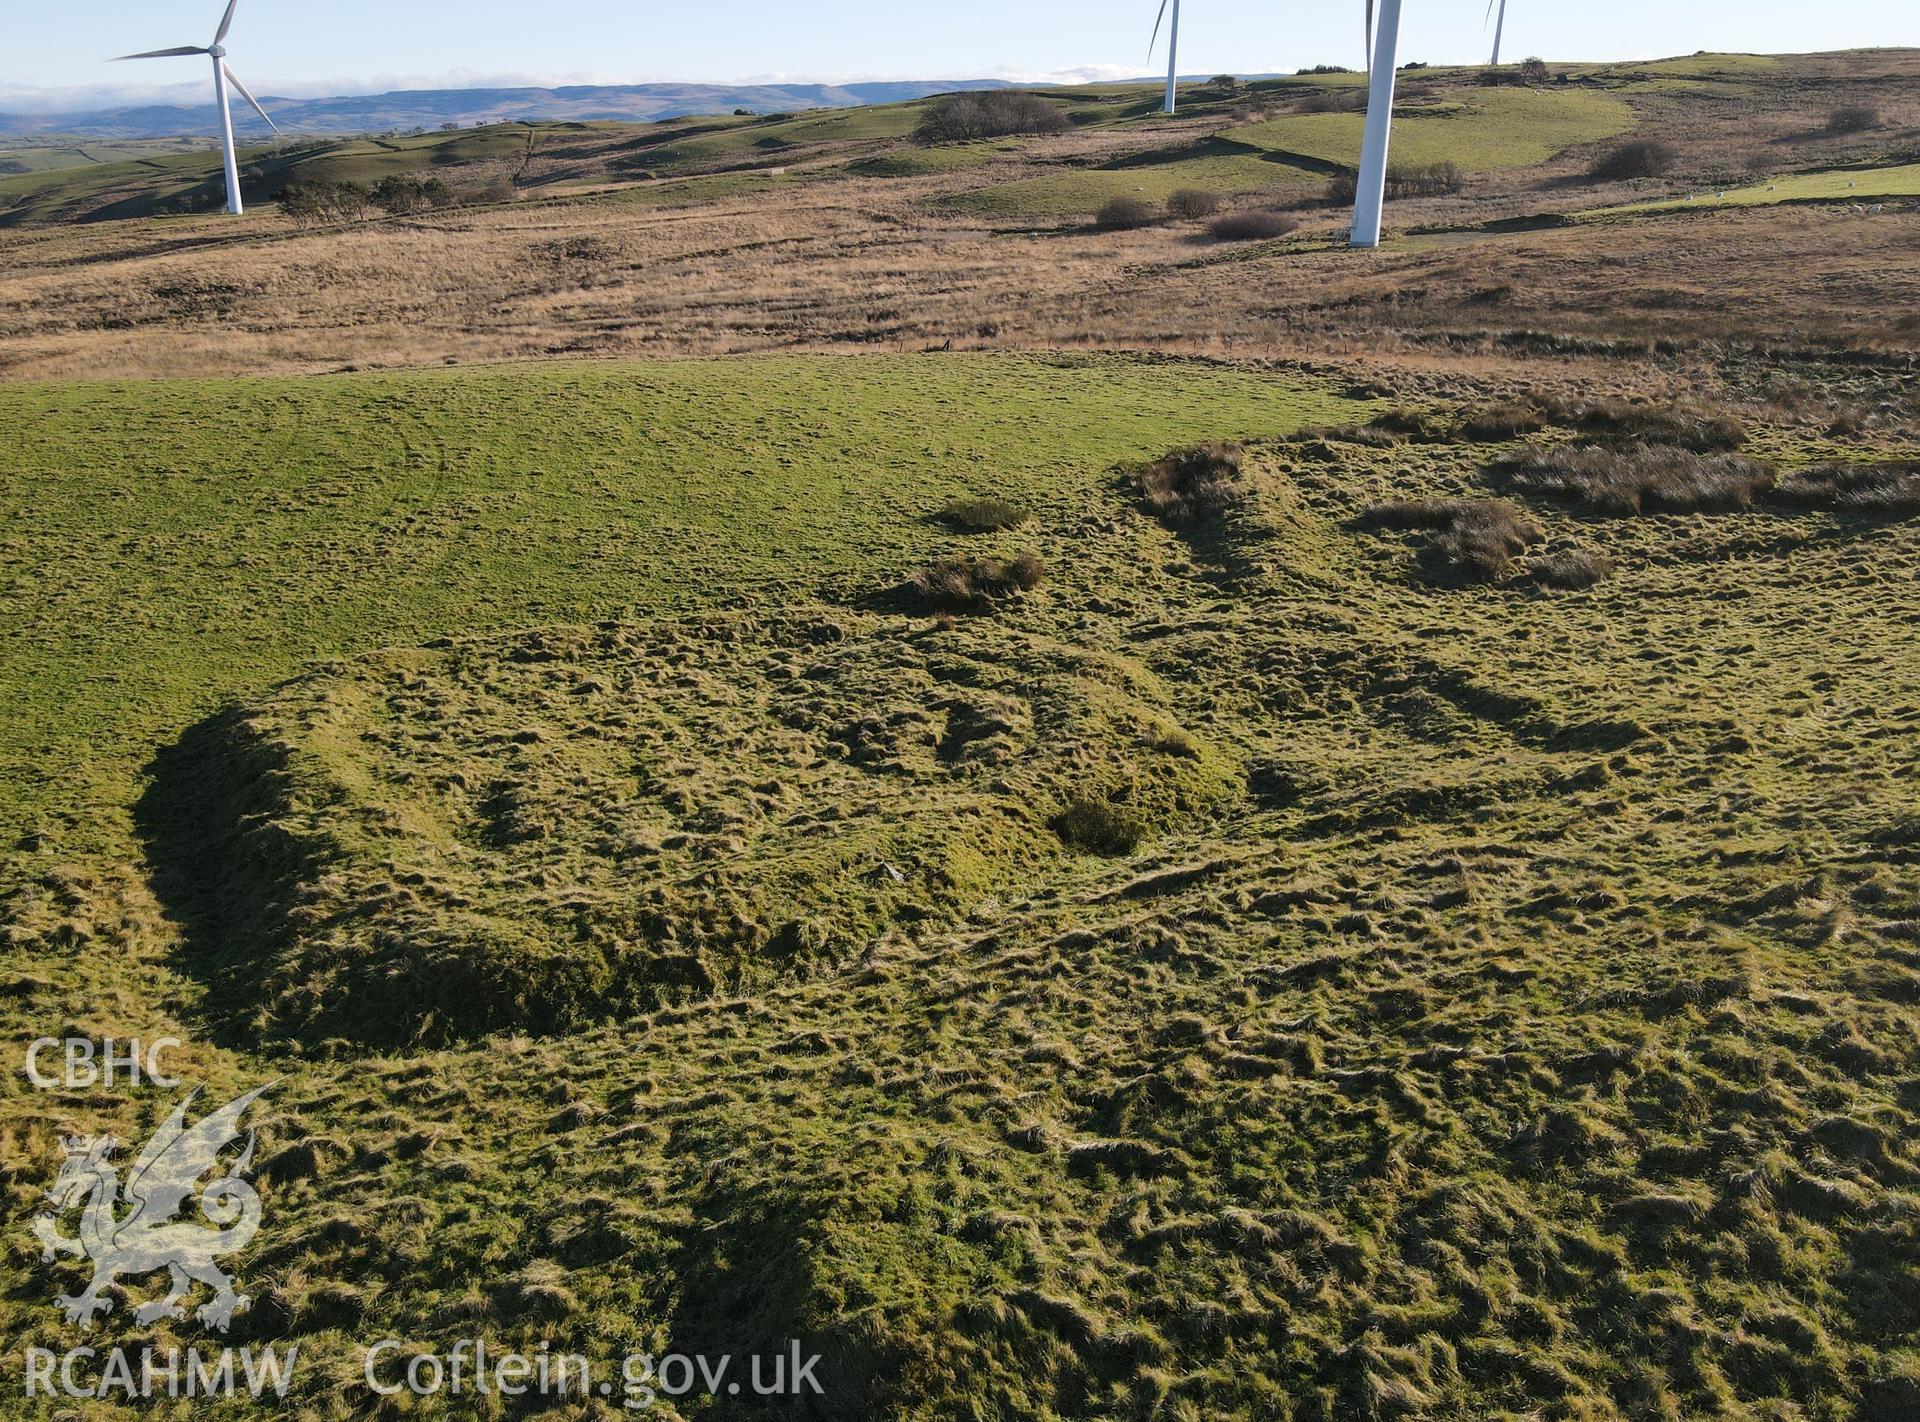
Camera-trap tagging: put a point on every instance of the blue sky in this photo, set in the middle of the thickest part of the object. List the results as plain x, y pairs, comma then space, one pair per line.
331, 46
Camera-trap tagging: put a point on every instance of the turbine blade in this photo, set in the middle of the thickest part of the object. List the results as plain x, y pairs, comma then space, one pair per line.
1154, 42
247, 94
1369, 36
1489, 19
226, 21
159, 53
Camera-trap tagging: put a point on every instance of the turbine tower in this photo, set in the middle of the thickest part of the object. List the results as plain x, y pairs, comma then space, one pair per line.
1499, 30
1173, 48
222, 76
1370, 191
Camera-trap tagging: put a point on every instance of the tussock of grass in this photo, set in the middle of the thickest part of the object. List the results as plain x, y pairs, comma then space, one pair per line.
984, 515
1414, 424
1639, 479
1687, 424
1495, 424
1573, 570
1870, 490
1100, 824
1483, 538
1193, 485
961, 582
1478, 539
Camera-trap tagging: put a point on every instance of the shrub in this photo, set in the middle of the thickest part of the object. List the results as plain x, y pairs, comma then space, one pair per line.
1573, 570
961, 583
403, 193
1225, 84
1191, 485
1533, 70
983, 515
325, 201
1423, 180
1333, 101
991, 113
1261, 225
1403, 181
1126, 213
1853, 118
1639, 158
1640, 479
1193, 203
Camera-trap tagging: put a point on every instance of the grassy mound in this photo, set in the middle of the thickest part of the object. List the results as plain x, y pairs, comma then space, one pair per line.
549, 829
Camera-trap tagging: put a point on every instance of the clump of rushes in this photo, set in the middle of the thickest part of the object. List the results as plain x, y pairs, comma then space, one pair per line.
1100, 824
1498, 423
962, 583
983, 515
1872, 490
1479, 538
1573, 570
1685, 424
1193, 485
1483, 538
1639, 479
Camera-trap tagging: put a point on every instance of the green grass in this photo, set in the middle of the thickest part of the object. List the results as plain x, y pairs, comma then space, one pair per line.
191, 180
1848, 185
920, 162
53, 154
1079, 191
423, 504
1482, 130
1312, 987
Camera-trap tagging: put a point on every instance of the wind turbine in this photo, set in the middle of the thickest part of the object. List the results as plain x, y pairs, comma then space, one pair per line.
1173, 47
222, 76
1499, 30
1370, 190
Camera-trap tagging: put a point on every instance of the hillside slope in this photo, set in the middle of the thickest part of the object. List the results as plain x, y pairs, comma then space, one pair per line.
1512, 1015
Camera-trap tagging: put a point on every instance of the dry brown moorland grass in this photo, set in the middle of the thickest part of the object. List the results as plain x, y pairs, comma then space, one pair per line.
838, 261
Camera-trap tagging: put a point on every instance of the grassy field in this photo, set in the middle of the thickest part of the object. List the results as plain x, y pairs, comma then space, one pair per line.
1481, 130
1838, 185
1092, 824
1265, 968
42, 155
1069, 193
386, 509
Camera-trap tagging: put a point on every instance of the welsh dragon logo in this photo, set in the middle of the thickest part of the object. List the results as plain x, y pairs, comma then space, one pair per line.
147, 1238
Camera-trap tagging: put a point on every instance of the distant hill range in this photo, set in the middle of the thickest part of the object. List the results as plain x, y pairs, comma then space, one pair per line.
433, 108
